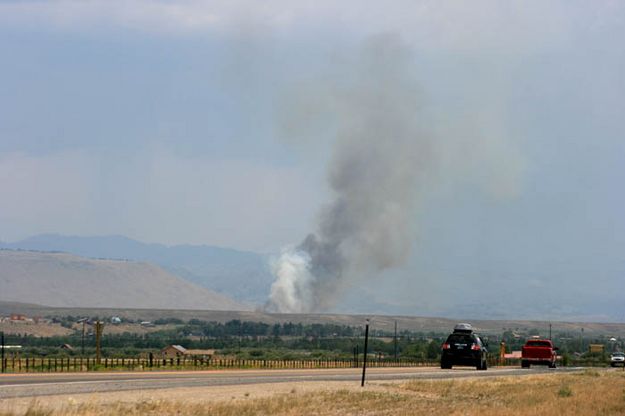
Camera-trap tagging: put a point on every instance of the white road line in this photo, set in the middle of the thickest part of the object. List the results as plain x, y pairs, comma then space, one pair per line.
96, 382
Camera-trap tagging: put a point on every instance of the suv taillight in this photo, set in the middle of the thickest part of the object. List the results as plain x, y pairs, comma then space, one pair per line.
475, 347
446, 346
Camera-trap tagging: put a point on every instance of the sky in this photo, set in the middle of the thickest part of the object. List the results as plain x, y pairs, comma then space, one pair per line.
208, 122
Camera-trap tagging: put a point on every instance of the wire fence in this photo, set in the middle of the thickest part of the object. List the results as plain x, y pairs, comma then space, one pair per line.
78, 364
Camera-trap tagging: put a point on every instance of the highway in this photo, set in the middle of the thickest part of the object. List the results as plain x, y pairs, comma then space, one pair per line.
34, 385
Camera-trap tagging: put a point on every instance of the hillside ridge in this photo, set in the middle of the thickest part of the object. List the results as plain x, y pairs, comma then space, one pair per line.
68, 280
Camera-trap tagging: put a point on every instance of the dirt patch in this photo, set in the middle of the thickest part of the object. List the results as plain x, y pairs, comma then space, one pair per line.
122, 328
49, 329
35, 329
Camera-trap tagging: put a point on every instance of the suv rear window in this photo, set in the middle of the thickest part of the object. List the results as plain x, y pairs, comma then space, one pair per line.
460, 338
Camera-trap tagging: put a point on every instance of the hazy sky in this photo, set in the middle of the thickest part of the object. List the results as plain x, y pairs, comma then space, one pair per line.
187, 122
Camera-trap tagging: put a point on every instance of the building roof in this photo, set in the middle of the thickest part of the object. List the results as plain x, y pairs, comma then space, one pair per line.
179, 348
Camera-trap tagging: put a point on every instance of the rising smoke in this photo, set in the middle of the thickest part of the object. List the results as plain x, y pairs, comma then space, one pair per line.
381, 152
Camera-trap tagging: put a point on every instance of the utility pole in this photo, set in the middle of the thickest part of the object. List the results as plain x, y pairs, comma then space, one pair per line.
240, 335
395, 340
364, 360
98, 337
581, 342
549, 330
2, 344
82, 343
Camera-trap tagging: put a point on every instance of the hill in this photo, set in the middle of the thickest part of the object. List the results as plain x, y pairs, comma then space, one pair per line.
66, 280
241, 275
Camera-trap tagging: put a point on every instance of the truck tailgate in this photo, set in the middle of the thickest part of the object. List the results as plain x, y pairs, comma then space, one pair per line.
536, 353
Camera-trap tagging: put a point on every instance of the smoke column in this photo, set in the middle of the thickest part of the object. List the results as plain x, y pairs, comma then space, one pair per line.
381, 153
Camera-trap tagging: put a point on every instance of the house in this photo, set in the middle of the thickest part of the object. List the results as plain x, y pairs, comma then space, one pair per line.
116, 320
15, 317
66, 347
176, 351
173, 351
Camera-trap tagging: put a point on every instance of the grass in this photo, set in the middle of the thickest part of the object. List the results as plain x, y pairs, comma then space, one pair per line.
585, 393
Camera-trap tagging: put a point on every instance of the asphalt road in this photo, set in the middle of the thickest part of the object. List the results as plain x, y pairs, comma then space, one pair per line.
33, 385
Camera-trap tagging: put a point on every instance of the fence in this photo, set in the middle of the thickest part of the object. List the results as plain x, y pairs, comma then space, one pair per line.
76, 364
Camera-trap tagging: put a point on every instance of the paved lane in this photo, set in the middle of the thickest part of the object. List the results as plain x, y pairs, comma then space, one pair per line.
32, 385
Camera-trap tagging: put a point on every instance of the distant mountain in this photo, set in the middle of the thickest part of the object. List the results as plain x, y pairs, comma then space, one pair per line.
66, 280
241, 275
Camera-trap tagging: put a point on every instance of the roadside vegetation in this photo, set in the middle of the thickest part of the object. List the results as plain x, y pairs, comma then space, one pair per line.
586, 393
237, 339
246, 340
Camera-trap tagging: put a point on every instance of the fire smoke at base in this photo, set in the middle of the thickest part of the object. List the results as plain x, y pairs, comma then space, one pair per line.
380, 155
293, 282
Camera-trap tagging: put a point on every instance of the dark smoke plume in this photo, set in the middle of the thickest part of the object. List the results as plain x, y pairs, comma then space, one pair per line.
381, 152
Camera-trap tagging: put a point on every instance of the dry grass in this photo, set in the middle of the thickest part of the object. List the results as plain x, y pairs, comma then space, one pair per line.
587, 393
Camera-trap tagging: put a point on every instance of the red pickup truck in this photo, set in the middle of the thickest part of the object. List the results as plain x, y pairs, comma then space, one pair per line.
538, 351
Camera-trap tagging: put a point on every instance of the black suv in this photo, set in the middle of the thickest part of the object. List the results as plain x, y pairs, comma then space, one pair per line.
463, 347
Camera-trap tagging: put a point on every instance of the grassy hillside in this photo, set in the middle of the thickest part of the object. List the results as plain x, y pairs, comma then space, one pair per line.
241, 275
65, 280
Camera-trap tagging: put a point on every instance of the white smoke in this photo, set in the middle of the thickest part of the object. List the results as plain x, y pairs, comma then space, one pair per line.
293, 281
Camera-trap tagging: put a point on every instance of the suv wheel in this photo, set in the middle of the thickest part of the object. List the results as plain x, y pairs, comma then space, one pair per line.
525, 364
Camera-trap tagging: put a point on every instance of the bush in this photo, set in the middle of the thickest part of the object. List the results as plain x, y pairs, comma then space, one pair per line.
565, 391
566, 358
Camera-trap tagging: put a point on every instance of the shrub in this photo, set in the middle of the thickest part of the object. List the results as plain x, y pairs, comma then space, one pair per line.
565, 391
